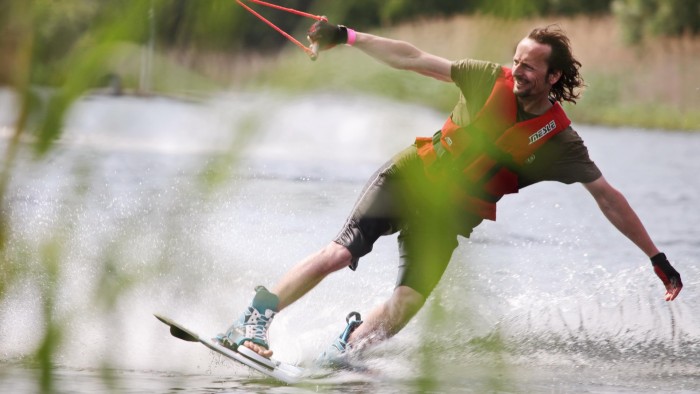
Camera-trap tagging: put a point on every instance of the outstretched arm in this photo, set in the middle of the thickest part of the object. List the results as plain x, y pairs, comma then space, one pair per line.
618, 211
397, 54
404, 56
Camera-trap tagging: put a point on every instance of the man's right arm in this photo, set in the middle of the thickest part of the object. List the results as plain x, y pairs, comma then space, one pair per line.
397, 54
404, 56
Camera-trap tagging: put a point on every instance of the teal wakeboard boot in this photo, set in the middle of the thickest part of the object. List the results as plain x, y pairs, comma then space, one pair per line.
253, 324
336, 356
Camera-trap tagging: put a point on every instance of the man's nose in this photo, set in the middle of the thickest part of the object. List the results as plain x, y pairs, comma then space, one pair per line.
516, 70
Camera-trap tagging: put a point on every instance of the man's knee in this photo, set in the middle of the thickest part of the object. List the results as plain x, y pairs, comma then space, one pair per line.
406, 302
337, 256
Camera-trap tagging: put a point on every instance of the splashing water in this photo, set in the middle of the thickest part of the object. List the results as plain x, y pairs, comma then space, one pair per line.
158, 205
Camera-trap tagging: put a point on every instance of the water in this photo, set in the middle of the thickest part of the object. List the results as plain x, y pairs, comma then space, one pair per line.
176, 207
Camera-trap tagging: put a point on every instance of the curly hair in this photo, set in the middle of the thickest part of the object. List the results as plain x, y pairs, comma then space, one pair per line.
568, 87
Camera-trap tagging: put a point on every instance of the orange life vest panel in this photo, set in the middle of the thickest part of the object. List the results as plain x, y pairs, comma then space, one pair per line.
490, 149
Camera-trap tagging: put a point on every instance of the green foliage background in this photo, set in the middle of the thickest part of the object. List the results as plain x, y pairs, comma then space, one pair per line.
60, 27
70, 45
78, 44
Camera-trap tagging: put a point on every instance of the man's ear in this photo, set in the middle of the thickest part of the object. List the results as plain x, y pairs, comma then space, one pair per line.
553, 77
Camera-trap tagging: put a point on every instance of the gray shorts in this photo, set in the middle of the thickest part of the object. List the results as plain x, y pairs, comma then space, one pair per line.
399, 198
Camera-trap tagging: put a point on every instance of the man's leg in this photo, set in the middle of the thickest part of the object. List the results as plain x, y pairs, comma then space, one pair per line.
425, 252
303, 277
309, 272
372, 216
387, 319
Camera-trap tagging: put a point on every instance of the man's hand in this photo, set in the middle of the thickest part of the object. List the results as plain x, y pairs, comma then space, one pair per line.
668, 275
327, 35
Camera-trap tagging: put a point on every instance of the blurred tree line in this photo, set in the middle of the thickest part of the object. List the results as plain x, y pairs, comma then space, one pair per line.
57, 27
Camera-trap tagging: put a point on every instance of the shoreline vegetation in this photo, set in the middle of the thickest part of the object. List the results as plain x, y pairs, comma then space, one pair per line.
654, 84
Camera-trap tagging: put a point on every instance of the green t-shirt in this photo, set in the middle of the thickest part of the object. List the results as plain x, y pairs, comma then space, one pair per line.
564, 158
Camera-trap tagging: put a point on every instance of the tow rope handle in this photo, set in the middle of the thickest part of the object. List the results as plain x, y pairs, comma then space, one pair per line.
311, 50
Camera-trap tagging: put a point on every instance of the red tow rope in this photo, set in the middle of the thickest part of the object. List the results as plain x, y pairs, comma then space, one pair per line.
312, 51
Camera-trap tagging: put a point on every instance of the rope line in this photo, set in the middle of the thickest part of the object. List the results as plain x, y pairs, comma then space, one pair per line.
311, 51
290, 10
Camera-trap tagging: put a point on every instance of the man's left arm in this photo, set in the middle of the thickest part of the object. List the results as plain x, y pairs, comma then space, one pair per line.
617, 210
398, 54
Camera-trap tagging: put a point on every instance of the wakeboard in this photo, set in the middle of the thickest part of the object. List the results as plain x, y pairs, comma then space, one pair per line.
286, 373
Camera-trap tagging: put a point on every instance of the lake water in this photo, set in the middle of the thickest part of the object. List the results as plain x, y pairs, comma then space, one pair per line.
155, 205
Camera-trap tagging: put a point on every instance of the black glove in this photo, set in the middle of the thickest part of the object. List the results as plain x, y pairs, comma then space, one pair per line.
328, 35
668, 275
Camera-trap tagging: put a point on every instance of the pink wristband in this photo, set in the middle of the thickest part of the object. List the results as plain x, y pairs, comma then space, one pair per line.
351, 36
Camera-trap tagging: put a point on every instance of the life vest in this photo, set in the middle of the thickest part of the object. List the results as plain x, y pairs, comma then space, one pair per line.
489, 151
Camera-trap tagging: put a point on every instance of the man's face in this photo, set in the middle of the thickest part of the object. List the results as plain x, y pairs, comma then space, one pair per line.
530, 70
